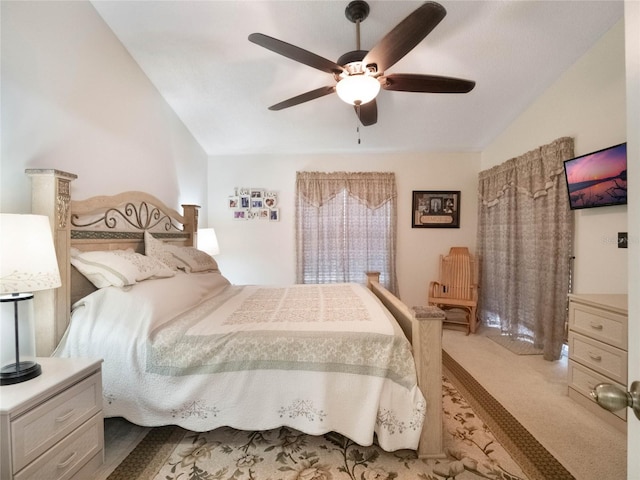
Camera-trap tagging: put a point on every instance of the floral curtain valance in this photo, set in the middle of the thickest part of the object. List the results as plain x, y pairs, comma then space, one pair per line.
372, 189
532, 174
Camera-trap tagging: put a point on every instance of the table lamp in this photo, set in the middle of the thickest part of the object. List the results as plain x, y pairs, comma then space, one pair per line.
208, 242
27, 264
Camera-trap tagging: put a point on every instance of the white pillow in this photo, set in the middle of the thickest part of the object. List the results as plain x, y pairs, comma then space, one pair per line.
158, 249
148, 267
194, 260
118, 268
105, 268
189, 259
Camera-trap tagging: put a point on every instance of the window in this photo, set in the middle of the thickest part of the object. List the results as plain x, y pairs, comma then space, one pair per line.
346, 226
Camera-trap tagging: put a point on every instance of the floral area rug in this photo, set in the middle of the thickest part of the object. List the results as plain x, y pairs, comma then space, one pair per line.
285, 454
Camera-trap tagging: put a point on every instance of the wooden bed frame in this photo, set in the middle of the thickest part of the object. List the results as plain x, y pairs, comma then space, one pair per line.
119, 221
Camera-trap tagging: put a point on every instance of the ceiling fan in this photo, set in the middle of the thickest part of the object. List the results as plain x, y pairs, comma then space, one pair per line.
360, 74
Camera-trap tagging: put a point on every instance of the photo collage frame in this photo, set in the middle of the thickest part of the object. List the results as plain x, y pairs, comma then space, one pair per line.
254, 204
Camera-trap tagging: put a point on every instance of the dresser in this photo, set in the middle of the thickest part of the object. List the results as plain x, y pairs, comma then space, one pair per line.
51, 427
598, 349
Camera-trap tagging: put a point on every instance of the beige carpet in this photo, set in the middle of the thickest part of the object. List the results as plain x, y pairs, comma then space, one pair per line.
516, 345
523, 447
534, 391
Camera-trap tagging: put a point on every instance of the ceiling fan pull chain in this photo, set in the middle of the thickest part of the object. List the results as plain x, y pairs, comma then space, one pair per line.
358, 122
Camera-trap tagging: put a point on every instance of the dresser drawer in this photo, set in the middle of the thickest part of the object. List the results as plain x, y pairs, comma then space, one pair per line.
37, 430
607, 360
70, 455
606, 326
584, 381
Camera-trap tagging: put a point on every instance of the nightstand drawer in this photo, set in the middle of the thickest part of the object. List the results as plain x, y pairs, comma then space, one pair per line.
36, 431
584, 381
607, 360
608, 327
68, 456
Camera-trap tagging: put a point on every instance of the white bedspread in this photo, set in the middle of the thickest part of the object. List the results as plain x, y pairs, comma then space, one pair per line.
194, 351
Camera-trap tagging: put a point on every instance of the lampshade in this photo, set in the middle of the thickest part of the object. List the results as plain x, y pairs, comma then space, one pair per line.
27, 255
208, 242
27, 263
358, 89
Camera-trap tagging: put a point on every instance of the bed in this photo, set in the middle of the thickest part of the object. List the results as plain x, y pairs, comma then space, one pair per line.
164, 365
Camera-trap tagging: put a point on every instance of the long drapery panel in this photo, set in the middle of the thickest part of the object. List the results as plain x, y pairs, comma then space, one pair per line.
525, 232
345, 226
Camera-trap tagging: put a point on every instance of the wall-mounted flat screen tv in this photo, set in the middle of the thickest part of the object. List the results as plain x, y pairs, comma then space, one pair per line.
598, 179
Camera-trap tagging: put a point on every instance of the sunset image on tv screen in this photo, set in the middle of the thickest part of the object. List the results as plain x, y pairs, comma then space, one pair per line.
599, 178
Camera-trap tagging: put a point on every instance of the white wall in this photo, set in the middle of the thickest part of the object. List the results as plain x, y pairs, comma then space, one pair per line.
588, 104
73, 99
263, 252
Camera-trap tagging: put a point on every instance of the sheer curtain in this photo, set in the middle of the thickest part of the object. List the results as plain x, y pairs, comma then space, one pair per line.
346, 226
525, 230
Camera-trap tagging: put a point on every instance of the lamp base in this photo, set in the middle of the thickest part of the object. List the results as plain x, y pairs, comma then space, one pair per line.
9, 374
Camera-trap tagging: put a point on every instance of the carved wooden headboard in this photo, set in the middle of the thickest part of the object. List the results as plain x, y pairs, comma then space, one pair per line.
98, 223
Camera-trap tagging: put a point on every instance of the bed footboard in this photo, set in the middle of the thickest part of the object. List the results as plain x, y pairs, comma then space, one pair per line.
423, 328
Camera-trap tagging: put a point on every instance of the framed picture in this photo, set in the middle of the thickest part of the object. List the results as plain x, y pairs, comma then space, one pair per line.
241, 215
435, 209
254, 204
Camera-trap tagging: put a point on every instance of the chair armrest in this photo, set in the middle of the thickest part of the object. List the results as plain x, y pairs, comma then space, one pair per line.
435, 289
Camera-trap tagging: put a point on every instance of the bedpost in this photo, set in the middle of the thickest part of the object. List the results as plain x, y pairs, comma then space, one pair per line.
372, 277
190, 214
427, 351
51, 196
423, 328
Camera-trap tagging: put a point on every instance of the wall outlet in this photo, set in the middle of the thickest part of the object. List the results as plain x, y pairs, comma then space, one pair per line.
622, 240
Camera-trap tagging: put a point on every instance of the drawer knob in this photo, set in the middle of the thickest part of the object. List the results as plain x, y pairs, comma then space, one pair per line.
595, 356
68, 461
65, 417
613, 398
596, 326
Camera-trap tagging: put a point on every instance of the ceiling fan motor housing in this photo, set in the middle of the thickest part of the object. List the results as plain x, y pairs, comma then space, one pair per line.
352, 63
357, 11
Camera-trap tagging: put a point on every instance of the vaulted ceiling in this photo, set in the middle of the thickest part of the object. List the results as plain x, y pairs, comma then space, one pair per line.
197, 55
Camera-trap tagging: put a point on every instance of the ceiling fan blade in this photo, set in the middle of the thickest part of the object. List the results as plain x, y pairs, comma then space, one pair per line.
305, 97
408, 82
405, 36
295, 53
367, 113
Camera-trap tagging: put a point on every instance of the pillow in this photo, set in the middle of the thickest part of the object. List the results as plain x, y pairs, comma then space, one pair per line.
189, 259
148, 267
118, 268
195, 260
159, 250
105, 268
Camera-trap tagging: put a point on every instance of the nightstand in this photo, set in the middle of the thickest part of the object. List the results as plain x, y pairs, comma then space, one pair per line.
52, 426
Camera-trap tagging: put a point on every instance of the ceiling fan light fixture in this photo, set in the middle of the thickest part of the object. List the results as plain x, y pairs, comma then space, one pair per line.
357, 89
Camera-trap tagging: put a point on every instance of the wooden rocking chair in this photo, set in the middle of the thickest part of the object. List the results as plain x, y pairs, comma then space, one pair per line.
457, 288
